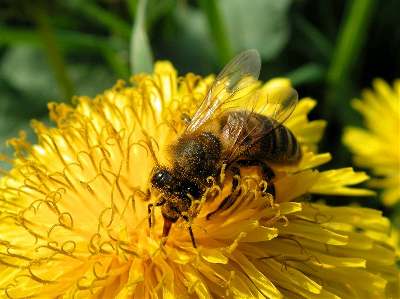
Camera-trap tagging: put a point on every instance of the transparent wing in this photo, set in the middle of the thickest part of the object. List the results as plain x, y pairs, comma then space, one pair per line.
236, 81
279, 104
246, 127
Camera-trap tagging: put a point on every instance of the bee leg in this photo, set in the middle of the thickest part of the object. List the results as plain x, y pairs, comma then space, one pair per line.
150, 208
166, 229
267, 173
186, 218
230, 199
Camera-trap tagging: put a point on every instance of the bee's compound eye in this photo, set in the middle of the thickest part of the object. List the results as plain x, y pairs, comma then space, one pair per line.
162, 179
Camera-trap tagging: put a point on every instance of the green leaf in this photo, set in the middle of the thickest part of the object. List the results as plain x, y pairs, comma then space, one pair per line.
259, 24
26, 70
217, 29
193, 48
141, 57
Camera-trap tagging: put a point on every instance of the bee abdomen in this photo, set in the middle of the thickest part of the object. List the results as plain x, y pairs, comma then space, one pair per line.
279, 146
284, 147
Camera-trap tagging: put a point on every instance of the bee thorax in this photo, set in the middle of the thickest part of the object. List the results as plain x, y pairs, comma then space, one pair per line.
197, 156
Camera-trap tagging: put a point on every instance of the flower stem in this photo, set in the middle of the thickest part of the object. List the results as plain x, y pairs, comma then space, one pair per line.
217, 30
350, 41
55, 56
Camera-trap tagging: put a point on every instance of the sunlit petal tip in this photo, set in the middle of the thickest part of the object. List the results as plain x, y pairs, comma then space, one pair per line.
277, 83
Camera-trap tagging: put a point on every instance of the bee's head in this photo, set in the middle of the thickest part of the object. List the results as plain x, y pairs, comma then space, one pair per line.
162, 179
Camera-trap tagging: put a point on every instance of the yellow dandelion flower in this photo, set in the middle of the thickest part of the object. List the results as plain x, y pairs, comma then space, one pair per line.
74, 211
378, 146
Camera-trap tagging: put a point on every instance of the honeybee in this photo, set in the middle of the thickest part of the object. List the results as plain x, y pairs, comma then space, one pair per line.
224, 132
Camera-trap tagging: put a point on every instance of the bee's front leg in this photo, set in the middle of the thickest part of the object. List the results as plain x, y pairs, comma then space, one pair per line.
150, 206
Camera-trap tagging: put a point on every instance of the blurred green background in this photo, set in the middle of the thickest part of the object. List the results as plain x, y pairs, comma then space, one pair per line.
331, 50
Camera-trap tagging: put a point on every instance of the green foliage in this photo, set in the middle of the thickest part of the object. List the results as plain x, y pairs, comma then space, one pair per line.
26, 69
259, 24
350, 41
191, 41
217, 29
307, 73
11, 120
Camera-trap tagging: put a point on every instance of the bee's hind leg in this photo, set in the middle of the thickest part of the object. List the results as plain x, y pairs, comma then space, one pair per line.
267, 173
228, 201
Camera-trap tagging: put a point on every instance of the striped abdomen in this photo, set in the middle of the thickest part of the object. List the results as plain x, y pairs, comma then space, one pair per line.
277, 146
